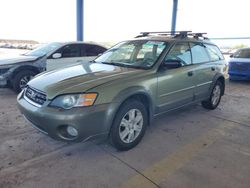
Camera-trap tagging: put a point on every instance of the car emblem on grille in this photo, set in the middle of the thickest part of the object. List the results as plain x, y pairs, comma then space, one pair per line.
32, 94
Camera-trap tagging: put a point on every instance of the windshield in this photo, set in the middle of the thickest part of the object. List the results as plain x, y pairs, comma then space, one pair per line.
43, 49
244, 53
137, 54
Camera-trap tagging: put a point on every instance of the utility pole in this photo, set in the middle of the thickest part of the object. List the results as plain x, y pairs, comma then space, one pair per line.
174, 16
79, 19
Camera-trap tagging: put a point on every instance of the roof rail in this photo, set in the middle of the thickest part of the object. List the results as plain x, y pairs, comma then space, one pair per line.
181, 34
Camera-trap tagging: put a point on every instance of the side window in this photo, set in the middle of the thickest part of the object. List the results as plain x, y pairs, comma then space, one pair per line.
71, 50
180, 51
214, 52
92, 50
199, 53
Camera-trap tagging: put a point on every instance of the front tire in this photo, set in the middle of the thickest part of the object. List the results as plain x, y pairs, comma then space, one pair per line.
129, 125
21, 79
215, 97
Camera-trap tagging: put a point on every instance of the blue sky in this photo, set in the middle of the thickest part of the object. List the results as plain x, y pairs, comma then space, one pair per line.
115, 20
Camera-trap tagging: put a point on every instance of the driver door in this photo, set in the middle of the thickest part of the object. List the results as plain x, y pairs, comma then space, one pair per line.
70, 54
176, 86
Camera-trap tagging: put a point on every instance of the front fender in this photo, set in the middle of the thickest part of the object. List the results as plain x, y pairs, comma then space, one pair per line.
124, 95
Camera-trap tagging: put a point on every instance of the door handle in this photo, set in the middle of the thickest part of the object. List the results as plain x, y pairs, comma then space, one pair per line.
78, 60
190, 73
212, 68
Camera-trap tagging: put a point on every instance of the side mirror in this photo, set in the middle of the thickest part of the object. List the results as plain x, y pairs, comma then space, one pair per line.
231, 55
56, 55
171, 64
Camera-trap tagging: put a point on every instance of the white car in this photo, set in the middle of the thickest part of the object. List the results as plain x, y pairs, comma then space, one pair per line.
17, 71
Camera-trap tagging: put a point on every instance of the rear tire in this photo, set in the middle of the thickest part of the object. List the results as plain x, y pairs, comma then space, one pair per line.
129, 125
21, 79
215, 96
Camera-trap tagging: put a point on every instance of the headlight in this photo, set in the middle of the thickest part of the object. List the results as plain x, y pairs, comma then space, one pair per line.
3, 70
74, 100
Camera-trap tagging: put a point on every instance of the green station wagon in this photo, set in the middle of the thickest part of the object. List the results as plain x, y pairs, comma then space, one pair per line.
118, 94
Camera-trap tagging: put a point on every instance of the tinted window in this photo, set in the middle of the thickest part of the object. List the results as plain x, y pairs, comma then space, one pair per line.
199, 53
71, 50
214, 52
180, 51
92, 50
244, 53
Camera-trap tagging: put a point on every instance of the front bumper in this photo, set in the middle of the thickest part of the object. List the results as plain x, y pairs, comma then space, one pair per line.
235, 75
89, 121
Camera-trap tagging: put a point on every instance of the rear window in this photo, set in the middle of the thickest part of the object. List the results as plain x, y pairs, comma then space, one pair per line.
214, 52
92, 50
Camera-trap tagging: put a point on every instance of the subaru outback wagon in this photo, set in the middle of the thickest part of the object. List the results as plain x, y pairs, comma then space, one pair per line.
119, 93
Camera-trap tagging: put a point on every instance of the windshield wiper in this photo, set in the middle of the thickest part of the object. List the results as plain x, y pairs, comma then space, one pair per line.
116, 64
123, 65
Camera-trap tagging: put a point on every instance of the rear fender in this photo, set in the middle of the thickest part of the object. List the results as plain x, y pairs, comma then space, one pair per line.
218, 76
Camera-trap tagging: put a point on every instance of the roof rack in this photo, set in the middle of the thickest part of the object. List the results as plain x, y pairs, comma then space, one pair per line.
169, 33
198, 35
181, 34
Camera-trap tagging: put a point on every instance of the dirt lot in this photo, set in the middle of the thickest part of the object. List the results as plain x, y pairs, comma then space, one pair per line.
193, 147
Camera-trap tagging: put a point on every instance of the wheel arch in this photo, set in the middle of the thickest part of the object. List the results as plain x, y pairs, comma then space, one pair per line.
221, 78
24, 68
137, 93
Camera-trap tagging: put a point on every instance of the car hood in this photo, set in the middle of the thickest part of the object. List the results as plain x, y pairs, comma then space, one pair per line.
79, 78
239, 60
16, 59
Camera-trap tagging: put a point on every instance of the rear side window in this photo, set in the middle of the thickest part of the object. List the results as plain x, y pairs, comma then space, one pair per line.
181, 52
199, 53
92, 50
214, 52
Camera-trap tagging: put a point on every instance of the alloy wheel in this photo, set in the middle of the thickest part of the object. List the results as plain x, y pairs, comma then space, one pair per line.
24, 81
216, 95
131, 125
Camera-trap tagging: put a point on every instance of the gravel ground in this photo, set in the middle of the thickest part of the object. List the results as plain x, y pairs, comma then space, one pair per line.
31, 159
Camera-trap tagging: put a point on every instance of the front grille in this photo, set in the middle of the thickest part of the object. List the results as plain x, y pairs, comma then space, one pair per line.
35, 96
243, 67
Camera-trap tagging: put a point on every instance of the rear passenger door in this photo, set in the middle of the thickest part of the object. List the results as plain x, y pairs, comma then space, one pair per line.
204, 69
176, 86
91, 51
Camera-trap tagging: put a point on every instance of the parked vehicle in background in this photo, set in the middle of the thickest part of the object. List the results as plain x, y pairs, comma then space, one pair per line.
121, 91
239, 65
17, 71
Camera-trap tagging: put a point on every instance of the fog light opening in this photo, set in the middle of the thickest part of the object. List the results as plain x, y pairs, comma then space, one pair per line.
72, 131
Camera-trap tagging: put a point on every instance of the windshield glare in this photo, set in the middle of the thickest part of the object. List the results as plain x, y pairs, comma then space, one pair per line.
138, 53
43, 49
